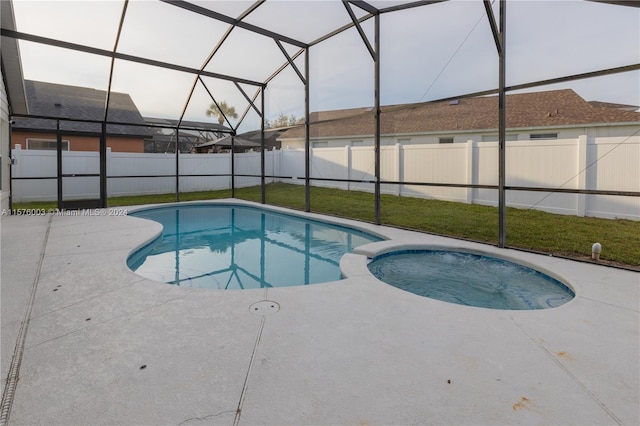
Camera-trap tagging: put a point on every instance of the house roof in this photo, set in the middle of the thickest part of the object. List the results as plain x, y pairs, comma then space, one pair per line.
556, 108
625, 107
226, 142
271, 137
198, 125
162, 138
80, 103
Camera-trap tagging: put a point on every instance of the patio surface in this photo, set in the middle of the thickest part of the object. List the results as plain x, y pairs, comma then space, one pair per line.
106, 346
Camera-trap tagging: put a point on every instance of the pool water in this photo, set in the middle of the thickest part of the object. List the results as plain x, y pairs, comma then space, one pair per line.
470, 279
218, 246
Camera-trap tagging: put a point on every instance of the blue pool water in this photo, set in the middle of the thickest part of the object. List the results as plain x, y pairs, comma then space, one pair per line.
219, 246
470, 279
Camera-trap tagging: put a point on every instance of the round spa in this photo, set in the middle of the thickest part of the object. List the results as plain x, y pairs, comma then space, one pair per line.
470, 279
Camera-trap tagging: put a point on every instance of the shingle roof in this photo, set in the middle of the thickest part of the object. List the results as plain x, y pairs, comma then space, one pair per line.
226, 142
58, 100
200, 125
270, 137
625, 107
555, 108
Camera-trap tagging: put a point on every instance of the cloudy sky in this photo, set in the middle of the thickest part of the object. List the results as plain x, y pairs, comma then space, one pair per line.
426, 53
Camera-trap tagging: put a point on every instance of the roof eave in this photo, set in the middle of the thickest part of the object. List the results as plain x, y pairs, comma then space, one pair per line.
629, 3
11, 63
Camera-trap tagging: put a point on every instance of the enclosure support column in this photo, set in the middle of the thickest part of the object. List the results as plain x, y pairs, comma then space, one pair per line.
499, 38
177, 164
233, 167
59, 160
374, 51
376, 60
103, 166
9, 166
502, 218
107, 103
262, 181
307, 135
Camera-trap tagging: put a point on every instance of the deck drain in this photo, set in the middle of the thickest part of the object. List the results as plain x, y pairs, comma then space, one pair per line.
265, 307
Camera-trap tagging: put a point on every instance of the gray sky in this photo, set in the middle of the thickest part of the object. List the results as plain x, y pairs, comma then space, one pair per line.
427, 53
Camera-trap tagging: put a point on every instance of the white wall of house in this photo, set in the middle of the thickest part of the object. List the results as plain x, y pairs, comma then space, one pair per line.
522, 134
4, 148
603, 163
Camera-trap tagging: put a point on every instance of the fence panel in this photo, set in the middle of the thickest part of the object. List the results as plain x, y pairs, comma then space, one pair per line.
485, 172
613, 164
121, 164
292, 164
391, 168
247, 164
192, 165
543, 164
362, 168
330, 163
430, 163
78, 163
39, 164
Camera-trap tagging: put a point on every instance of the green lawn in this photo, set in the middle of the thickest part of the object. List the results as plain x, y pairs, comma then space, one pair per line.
561, 235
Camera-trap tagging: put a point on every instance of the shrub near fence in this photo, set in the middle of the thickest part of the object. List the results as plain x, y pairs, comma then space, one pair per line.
608, 163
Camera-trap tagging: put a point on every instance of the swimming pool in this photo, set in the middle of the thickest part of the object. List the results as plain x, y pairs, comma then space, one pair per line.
230, 246
470, 279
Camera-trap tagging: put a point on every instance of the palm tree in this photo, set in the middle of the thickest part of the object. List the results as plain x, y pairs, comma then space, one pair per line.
224, 110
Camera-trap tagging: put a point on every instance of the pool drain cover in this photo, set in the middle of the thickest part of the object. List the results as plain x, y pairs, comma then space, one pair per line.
266, 307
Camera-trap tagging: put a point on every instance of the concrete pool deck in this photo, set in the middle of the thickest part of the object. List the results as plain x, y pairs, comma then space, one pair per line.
106, 346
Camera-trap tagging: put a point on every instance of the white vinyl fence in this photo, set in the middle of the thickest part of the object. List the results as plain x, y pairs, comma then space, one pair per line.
129, 173
607, 163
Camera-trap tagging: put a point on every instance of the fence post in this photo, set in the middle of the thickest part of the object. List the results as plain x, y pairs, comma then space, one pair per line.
277, 164
581, 202
231, 171
398, 167
469, 177
311, 161
109, 171
347, 163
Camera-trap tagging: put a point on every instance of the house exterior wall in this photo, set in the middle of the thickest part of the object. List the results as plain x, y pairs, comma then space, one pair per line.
524, 134
5, 163
125, 144
81, 143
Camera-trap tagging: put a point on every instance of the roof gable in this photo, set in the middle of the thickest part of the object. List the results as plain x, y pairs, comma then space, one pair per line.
80, 103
